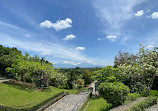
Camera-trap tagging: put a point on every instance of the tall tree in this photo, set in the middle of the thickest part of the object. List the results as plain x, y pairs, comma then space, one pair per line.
123, 58
145, 69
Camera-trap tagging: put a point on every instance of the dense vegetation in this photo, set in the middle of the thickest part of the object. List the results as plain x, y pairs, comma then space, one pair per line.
41, 72
144, 104
132, 76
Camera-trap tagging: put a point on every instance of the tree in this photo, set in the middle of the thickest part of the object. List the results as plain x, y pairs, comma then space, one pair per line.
30, 71
144, 70
86, 76
7, 57
104, 73
123, 58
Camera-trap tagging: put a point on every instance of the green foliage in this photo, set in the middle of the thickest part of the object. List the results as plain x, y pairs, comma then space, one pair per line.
153, 93
59, 80
7, 57
30, 71
97, 104
104, 74
150, 101
113, 92
78, 84
124, 58
132, 96
143, 72
111, 79
86, 76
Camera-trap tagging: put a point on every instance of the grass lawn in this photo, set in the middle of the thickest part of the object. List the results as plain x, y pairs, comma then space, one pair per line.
97, 104
23, 99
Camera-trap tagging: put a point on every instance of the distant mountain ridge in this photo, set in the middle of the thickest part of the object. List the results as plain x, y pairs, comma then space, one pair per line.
81, 65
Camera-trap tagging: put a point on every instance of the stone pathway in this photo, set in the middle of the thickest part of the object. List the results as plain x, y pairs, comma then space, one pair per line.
152, 108
128, 105
3, 79
71, 102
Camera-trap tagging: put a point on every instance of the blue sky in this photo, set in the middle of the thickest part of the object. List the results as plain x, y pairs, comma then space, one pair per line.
78, 31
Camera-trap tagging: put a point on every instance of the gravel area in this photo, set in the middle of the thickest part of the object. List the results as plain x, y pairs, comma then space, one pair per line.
128, 105
152, 108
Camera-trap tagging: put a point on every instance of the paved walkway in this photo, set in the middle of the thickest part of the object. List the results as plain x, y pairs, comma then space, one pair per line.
71, 102
125, 107
3, 79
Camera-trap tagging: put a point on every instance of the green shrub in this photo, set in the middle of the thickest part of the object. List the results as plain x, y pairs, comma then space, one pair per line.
132, 96
113, 92
153, 93
149, 101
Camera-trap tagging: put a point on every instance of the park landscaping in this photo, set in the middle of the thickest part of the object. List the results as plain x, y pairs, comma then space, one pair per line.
16, 98
35, 81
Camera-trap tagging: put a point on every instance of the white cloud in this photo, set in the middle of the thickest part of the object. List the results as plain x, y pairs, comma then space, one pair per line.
114, 14
69, 37
46, 53
27, 35
59, 25
47, 24
150, 46
139, 13
111, 38
80, 48
70, 62
51, 49
154, 15
99, 39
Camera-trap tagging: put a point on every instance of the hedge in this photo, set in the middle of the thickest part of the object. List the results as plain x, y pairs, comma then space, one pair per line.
149, 101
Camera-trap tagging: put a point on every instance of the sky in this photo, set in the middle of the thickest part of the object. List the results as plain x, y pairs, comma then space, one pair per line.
78, 31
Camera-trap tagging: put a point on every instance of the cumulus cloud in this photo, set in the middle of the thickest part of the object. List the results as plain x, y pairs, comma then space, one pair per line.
80, 48
59, 25
139, 13
69, 37
154, 15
